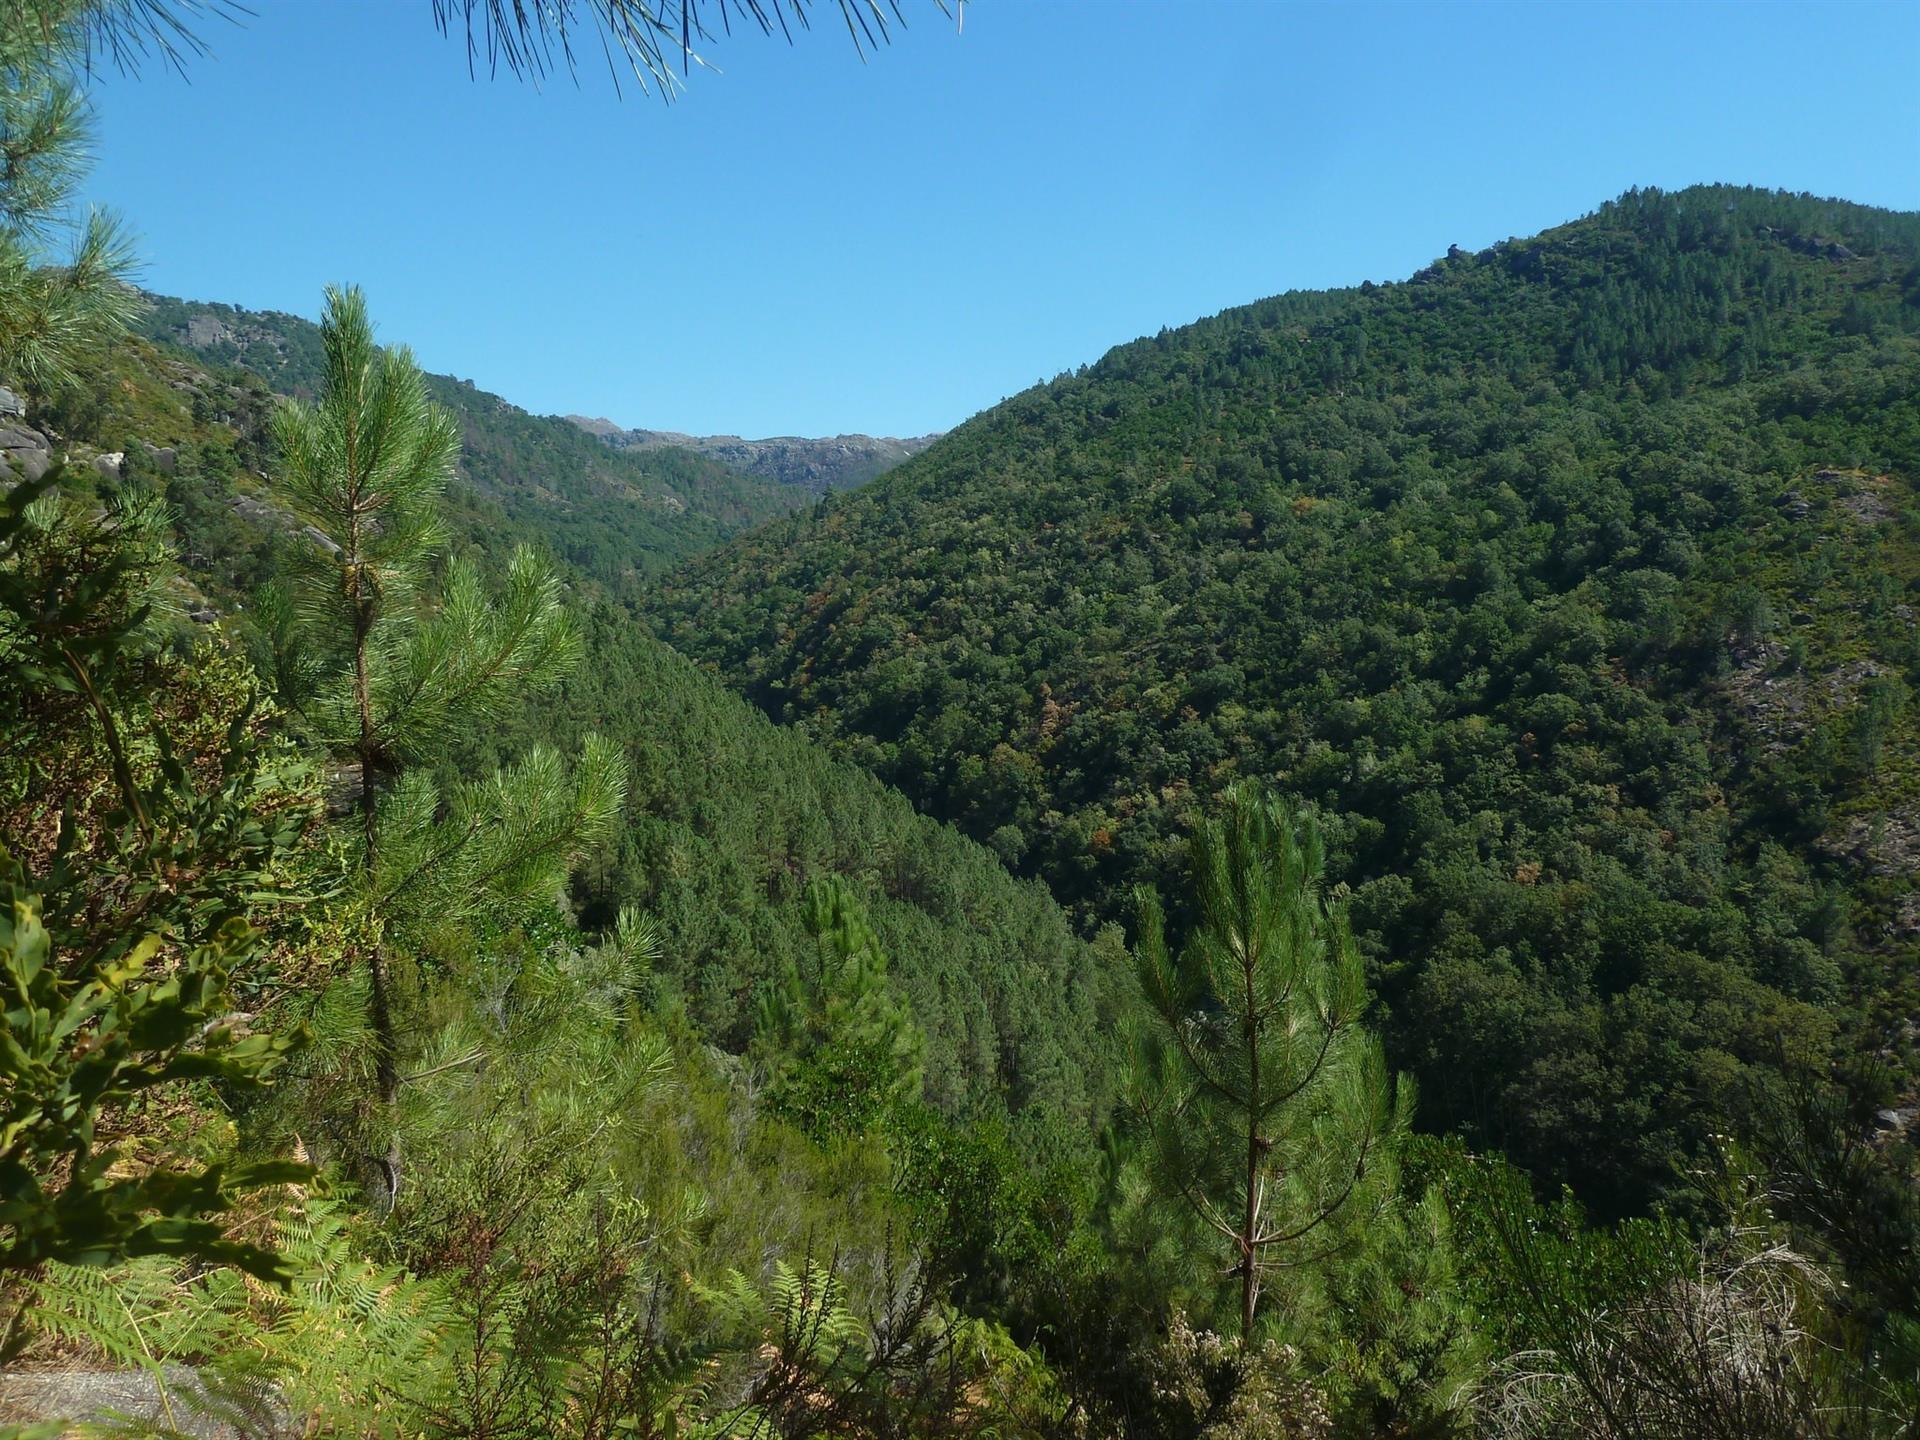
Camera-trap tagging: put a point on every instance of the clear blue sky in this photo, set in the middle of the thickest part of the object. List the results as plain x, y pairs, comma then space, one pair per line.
805, 244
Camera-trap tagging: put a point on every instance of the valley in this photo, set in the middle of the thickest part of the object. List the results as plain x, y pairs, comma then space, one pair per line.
1348, 869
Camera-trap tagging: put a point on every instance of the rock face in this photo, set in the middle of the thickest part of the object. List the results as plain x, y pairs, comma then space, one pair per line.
837, 462
262, 513
25, 450
1815, 245
204, 330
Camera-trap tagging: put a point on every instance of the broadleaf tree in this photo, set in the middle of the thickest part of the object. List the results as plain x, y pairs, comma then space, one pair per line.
145, 830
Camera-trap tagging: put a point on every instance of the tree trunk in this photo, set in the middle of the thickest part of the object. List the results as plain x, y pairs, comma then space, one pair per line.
379, 1003
1249, 1280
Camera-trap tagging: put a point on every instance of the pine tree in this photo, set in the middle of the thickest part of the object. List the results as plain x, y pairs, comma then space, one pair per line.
365, 467
51, 308
652, 39
1267, 1102
845, 1050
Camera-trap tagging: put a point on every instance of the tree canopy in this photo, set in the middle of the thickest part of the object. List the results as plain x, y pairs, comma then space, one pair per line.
1571, 582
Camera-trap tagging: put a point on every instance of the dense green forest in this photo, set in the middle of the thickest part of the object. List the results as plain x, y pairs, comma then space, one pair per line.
1467, 724
728, 818
1573, 584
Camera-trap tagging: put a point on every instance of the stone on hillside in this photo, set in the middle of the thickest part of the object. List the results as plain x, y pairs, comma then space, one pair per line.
248, 508
176, 1403
205, 330
109, 463
262, 513
11, 405
27, 449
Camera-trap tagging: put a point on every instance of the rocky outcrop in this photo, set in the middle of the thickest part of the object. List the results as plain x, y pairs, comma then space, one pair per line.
26, 451
261, 513
837, 462
1814, 245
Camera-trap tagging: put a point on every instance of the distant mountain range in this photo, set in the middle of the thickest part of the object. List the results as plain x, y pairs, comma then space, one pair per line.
837, 462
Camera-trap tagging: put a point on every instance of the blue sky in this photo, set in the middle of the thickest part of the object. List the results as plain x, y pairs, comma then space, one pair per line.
806, 244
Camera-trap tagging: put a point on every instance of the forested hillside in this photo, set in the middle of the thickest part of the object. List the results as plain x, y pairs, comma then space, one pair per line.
613, 515
728, 819
1438, 948
1573, 583
790, 1054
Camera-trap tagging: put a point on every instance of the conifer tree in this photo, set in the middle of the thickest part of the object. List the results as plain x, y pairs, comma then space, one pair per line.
365, 467
1267, 1102
844, 1050
51, 305
655, 40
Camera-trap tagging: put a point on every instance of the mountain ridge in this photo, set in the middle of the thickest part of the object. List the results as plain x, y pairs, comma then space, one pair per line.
614, 515
816, 464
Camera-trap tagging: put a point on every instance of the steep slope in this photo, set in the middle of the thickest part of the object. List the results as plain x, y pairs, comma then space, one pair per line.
838, 462
728, 817
1573, 581
614, 515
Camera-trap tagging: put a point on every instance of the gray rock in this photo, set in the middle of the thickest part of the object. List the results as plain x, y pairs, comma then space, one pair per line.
26, 449
204, 330
248, 508
176, 1403
164, 457
11, 405
109, 464
819, 464
262, 513
343, 786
